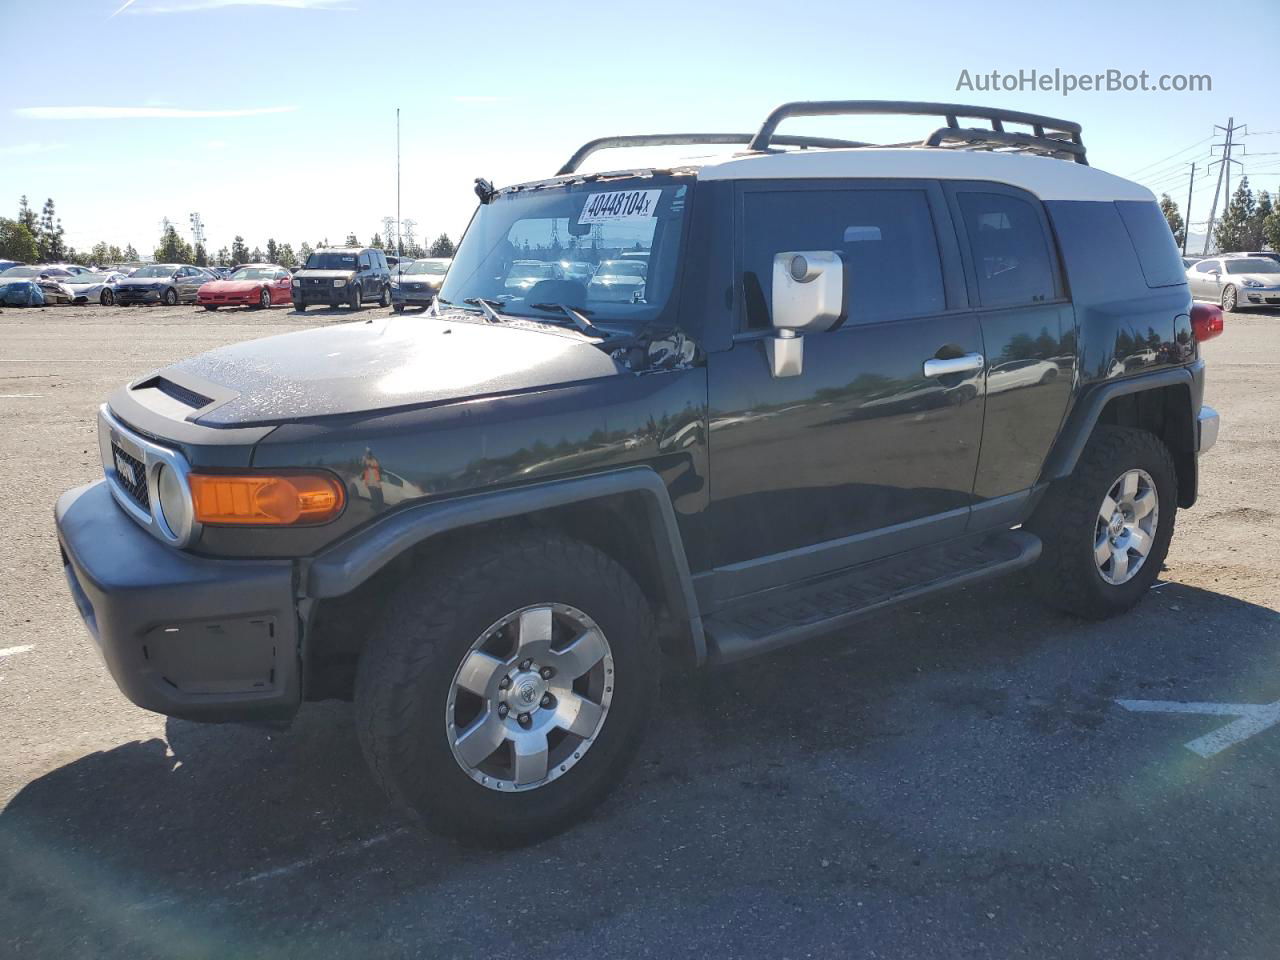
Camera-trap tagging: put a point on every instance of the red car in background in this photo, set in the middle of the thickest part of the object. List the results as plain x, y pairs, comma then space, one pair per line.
250, 285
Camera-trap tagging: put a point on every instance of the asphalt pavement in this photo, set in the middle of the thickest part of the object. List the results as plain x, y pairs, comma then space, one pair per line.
968, 777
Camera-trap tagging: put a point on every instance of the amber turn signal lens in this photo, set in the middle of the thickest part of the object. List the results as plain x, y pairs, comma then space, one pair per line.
256, 498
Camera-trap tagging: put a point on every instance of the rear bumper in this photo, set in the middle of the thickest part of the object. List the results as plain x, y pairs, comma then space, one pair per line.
181, 635
1207, 424
412, 298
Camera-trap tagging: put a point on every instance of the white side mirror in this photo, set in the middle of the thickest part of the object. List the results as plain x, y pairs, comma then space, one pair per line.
808, 297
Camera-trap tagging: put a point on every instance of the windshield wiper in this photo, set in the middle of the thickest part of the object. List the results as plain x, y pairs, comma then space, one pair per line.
492, 308
577, 314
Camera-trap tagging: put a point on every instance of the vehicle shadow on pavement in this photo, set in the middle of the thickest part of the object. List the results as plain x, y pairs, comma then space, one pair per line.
935, 758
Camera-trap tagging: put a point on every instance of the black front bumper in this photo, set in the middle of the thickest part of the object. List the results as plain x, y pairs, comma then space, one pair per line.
321, 295
186, 636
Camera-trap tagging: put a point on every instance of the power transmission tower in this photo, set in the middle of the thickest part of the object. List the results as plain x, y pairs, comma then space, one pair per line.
197, 229
165, 224
1186, 227
1224, 171
406, 229
388, 231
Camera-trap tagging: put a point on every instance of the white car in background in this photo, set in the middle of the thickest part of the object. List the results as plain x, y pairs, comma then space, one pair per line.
89, 287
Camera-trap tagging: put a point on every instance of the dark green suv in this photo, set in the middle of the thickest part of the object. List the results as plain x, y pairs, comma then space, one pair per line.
845, 378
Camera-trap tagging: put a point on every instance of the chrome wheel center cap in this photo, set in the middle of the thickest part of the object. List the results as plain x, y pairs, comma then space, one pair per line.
1117, 524
526, 692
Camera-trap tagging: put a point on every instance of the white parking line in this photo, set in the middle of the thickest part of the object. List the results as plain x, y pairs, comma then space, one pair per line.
13, 651
297, 865
1251, 718
20, 396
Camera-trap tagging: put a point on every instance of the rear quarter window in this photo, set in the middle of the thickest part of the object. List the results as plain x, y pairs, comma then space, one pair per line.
1153, 242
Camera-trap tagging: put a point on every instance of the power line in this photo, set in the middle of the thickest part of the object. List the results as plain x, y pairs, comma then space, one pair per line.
1170, 157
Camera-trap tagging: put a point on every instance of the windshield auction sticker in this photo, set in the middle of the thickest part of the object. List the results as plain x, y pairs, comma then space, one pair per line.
620, 205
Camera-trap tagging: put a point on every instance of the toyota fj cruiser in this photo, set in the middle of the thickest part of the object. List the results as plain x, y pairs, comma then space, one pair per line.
350, 275
848, 376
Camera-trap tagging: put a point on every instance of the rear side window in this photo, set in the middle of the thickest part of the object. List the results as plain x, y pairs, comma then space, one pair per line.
1010, 250
886, 238
1153, 240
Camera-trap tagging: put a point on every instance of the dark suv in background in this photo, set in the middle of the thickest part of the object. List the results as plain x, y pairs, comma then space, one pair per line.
335, 276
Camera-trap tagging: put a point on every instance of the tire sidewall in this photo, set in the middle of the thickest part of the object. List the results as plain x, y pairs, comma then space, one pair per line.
436, 784
1098, 480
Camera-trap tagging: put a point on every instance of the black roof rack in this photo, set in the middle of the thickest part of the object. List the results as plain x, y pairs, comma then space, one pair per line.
1048, 137
674, 139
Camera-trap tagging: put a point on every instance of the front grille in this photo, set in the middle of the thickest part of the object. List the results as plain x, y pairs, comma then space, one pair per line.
133, 479
182, 394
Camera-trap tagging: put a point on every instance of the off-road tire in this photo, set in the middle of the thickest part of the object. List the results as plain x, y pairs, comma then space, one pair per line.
1066, 576
404, 679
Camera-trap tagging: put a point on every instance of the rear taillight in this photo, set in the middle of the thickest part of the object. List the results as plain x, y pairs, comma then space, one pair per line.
1206, 321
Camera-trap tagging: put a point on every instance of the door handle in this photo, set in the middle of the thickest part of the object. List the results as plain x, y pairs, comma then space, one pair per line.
934, 367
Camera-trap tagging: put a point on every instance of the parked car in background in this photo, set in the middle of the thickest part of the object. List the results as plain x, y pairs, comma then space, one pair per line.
89, 287
578, 270
1236, 281
72, 268
1191, 261
1265, 254
525, 273
122, 268
49, 280
618, 281
417, 284
343, 275
167, 283
259, 285
35, 271
6, 264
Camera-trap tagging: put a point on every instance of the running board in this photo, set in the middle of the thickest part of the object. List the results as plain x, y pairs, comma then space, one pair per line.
786, 615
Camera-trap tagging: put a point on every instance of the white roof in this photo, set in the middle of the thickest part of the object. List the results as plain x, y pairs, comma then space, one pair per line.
1046, 177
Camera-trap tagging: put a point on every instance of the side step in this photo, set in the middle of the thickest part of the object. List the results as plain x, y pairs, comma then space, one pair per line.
777, 618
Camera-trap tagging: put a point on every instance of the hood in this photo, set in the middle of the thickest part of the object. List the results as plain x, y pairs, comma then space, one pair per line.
233, 286
325, 274
383, 364
143, 281
76, 283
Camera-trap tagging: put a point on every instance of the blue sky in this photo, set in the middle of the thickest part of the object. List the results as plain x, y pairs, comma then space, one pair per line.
277, 117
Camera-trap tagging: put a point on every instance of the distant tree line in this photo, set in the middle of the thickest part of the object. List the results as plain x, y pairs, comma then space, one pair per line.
39, 238
1248, 223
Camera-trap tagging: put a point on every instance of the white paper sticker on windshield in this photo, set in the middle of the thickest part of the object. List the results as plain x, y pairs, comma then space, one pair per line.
620, 205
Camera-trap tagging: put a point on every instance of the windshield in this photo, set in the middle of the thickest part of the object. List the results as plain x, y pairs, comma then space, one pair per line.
254, 273
331, 261
426, 266
516, 246
156, 270
22, 272
1260, 265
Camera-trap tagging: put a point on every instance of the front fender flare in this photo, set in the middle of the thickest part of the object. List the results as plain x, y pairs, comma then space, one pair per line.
349, 563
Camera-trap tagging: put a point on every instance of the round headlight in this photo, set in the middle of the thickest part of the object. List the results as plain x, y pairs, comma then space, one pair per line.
175, 504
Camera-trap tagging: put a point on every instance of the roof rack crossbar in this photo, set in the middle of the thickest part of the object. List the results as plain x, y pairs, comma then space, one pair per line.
1048, 137
677, 139
990, 139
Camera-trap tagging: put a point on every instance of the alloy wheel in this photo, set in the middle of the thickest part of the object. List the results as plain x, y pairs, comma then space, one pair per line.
1229, 299
1126, 526
530, 697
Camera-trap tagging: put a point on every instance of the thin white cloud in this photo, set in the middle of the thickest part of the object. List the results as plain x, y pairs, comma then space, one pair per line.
186, 6
26, 149
141, 113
